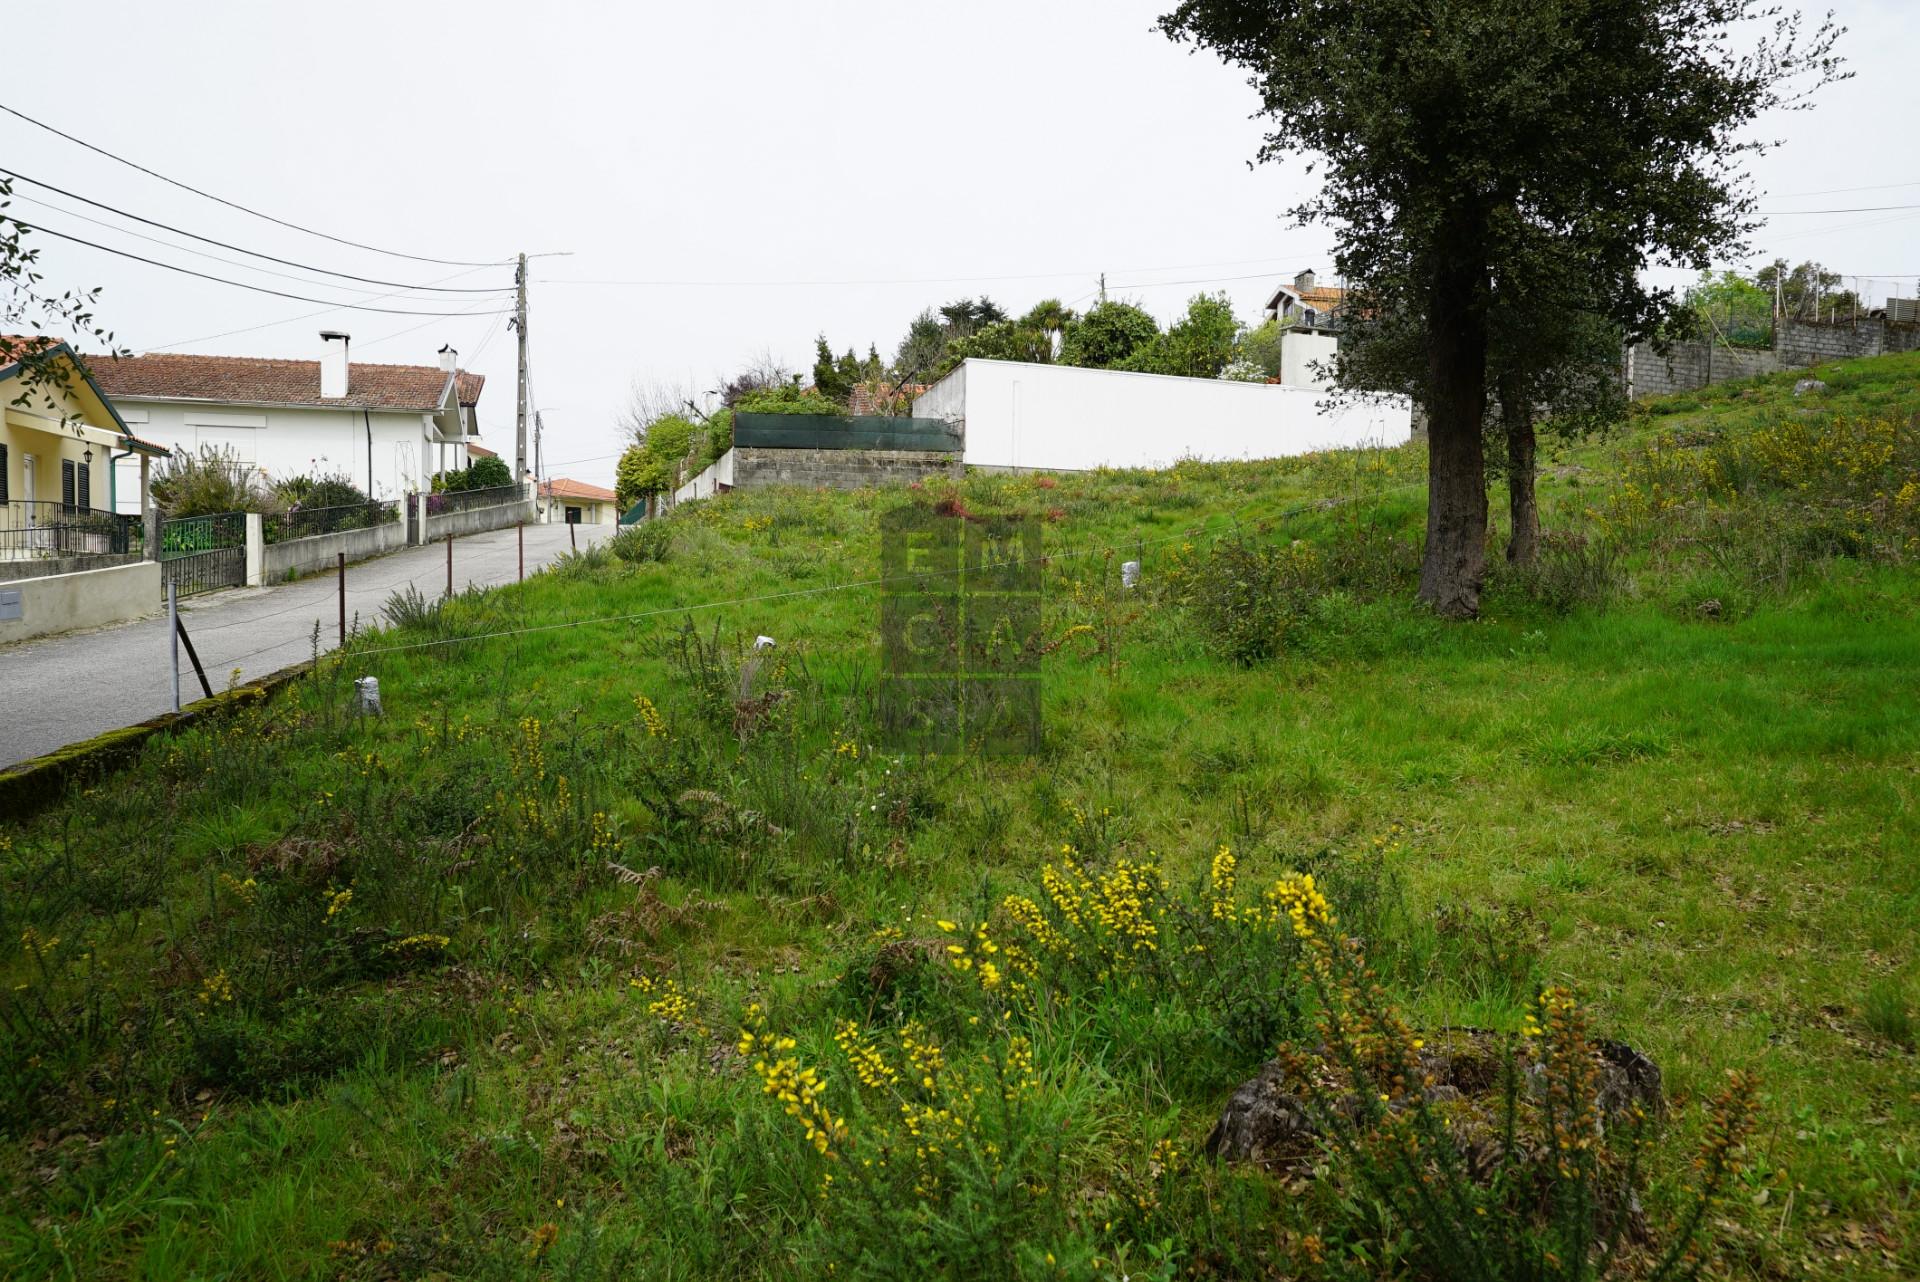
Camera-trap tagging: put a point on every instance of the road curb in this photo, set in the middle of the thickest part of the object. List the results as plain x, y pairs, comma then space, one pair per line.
34, 784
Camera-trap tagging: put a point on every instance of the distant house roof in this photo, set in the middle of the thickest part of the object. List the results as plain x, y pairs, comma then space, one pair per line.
1322, 298
253, 380
477, 450
562, 488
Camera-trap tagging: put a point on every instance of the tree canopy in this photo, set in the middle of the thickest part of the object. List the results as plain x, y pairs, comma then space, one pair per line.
1472, 153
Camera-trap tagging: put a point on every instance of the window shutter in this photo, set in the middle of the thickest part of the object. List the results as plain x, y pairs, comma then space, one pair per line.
84, 501
3, 475
66, 484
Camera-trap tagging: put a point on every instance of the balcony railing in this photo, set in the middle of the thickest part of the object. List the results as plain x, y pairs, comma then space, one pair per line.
34, 530
304, 523
466, 500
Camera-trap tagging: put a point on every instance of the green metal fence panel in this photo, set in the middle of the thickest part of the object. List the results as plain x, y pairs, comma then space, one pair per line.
836, 432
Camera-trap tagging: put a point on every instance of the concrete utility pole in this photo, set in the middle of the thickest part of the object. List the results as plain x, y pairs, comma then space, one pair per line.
539, 468
520, 412
1103, 287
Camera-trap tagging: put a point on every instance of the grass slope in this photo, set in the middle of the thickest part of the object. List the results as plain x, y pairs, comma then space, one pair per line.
301, 994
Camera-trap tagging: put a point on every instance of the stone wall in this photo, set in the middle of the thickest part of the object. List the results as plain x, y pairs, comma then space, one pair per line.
838, 469
1687, 367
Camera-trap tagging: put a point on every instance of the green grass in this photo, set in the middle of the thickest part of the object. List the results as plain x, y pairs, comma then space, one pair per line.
1703, 821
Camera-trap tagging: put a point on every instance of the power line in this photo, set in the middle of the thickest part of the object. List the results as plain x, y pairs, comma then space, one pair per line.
221, 280
1841, 191
251, 253
907, 280
1861, 209
249, 329
219, 200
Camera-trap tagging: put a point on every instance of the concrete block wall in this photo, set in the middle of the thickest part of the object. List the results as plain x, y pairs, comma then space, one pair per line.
86, 599
1688, 367
838, 469
46, 566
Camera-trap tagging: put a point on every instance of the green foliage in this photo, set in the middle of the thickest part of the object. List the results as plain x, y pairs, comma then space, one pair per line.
35, 320
210, 481
643, 542
787, 399
311, 491
489, 472
1260, 347
1108, 335
1199, 345
653, 466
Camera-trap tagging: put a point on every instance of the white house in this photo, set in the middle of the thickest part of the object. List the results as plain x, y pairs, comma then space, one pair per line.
387, 428
1062, 417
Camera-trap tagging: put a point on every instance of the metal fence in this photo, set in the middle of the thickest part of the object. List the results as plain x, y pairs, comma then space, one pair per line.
33, 530
305, 523
200, 553
467, 500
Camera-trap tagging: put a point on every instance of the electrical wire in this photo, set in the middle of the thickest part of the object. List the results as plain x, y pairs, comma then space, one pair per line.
1861, 209
219, 200
251, 253
324, 311
921, 280
221, 280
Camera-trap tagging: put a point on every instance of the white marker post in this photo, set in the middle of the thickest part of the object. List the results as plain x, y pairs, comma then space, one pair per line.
173, 640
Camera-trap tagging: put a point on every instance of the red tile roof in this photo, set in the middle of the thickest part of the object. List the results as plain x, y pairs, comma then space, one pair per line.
562, 488
252, 380
477, 450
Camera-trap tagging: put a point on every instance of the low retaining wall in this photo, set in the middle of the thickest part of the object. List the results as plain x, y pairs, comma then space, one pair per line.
86, 599
839, 469
282, 561
30, 786
478, 520
42, 567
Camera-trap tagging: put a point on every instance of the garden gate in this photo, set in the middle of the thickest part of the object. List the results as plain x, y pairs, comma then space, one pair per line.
200, 553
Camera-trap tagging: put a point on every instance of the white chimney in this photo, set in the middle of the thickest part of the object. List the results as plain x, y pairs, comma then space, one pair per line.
1304, 280
449, 359
333, 364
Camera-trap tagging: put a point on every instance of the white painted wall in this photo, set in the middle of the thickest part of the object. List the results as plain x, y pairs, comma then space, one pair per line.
85, 599
1070, 419
292, 442
708, 482
1300, 351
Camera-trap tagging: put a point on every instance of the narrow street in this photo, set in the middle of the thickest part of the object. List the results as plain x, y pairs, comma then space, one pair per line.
59, 690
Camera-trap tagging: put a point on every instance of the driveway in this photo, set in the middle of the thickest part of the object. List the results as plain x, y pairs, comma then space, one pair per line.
60, 690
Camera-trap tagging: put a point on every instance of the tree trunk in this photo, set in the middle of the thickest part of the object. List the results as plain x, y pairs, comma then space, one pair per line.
1456, 558
1517, 414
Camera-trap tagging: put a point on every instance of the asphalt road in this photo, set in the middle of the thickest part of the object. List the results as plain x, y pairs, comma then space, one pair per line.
60, 690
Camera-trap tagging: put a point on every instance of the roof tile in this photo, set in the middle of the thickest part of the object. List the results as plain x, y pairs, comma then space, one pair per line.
253, 380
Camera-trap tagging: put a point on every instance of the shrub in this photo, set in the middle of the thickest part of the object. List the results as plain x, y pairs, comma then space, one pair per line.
1245, 594
645, 541
211, 481
1544, 1187
488, 473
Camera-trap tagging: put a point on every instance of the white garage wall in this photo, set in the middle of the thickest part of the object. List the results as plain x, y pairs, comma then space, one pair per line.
1071, 419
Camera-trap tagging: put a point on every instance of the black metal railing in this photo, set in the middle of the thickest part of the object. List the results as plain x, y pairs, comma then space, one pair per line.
305, 523
199, 553
37, 529
467, 500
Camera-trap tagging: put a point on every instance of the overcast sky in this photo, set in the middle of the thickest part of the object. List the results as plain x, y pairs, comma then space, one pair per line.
747, 175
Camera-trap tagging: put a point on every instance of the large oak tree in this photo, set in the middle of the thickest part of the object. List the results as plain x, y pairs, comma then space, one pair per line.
1472, 149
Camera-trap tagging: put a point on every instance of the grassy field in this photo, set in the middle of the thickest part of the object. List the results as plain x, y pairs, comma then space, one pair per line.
497, 985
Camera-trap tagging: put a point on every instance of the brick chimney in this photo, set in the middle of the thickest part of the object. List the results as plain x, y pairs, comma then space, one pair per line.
333, 364
1304, 280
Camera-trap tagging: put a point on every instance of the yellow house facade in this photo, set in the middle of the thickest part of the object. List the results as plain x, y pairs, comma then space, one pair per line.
59, 439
